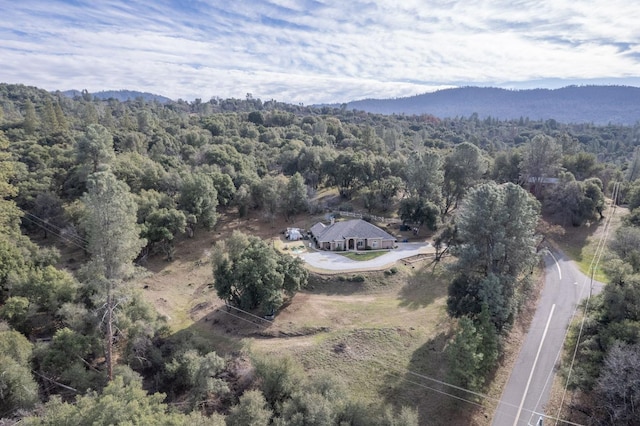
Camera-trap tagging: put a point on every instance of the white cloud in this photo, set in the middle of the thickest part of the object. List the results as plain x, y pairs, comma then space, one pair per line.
314, 51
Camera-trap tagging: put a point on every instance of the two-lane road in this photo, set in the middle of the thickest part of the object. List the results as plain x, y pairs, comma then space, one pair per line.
527, 391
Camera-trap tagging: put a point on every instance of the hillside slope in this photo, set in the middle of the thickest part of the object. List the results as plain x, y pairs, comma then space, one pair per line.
573, 104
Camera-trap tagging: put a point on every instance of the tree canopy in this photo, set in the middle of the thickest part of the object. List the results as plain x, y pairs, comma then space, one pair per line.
250, 274
107, 174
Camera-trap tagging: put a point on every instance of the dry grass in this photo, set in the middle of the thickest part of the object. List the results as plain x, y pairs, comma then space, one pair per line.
581, 243
368, 333
374, 334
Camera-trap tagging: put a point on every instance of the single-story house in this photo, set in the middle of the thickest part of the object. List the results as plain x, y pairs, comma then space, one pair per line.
354, 234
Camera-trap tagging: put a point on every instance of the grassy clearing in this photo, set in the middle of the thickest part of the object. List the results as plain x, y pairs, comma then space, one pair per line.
370, 333
581, 243
375, 334
367, 255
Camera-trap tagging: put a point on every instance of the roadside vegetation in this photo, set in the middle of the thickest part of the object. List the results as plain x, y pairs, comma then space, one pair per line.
141, 279
601, 353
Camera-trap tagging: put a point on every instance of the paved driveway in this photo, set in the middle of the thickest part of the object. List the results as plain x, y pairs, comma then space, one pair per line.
334, 262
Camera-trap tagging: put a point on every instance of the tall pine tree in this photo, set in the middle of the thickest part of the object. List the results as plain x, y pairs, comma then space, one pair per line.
114, 242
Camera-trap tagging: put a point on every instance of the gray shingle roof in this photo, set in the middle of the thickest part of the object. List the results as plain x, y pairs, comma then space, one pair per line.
356, 228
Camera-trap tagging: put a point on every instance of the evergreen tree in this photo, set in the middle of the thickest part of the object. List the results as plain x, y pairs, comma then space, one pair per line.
50, 122
199, 199
295, 198
465, 358
114, 242
496, 249
250, 411
463, 168
30, 122
95, 147
18, 390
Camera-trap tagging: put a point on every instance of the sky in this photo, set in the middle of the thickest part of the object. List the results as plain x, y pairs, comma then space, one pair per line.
316, 51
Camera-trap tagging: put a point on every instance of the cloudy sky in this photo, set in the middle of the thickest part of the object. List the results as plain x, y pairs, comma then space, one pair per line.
315, 51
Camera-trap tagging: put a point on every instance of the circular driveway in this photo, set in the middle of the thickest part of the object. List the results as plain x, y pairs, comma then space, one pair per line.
332, 261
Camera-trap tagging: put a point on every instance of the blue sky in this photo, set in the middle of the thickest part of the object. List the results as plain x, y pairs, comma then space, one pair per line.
316, 51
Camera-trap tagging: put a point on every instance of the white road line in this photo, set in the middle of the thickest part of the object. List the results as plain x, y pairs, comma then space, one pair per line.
557, 264
535, 361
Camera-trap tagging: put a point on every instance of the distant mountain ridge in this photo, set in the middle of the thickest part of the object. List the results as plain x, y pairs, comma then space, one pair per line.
121, 95
572, 104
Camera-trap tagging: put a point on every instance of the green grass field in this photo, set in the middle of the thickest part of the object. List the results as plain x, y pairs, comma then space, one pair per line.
363, 255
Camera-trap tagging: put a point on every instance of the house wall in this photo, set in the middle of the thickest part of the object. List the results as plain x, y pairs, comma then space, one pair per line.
387, 244
374, 243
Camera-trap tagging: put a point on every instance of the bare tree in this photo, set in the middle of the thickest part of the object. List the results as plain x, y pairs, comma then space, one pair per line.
618, 388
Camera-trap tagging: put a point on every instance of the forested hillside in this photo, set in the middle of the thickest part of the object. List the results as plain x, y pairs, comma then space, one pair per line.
574, 104
120, 95
125, 180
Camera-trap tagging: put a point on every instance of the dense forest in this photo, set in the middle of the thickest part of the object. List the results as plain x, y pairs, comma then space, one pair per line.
124, 180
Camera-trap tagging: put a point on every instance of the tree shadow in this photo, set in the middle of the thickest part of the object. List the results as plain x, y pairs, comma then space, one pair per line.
422, 384
573, 239
221, 330
424, 286
339, 285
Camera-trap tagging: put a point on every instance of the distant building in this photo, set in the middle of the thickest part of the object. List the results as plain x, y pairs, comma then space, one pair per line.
543, 180
354, 234
293, 234
538, 185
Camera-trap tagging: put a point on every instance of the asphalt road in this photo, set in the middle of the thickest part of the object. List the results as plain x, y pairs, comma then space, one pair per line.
527, 391
335, 262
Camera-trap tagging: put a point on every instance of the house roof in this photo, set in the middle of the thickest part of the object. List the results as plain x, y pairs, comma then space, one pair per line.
356, 228
543, 180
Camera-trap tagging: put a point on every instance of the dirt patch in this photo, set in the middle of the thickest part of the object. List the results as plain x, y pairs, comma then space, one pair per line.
182, 290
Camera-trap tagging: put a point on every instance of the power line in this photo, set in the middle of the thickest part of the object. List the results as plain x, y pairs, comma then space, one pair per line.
594, 264
478, 394
77, 240
239, 317
250, 314
406, 371
57, 228
59, 235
